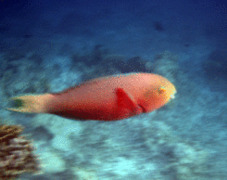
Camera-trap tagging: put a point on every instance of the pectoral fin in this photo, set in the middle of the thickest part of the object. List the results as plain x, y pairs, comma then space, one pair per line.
126, 102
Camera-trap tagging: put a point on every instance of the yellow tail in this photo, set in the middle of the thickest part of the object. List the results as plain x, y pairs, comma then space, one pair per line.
30, 103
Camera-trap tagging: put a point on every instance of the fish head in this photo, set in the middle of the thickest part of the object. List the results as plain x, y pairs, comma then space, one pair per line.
160, 92
166, 92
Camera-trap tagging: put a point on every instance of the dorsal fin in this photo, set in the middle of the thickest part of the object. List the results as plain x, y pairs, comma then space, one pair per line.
86, 83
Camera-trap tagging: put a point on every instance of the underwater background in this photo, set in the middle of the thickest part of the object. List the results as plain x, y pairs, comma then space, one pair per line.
48, 46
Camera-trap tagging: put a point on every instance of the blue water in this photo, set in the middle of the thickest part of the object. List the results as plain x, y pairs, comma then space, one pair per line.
48, 46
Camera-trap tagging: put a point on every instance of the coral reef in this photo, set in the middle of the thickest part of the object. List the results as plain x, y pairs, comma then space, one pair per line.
14, 71
16, 153
216, 65
158, 26
166, 64
215, 70
101, 62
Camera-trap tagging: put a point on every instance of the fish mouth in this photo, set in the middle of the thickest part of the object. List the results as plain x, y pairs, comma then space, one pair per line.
172, 96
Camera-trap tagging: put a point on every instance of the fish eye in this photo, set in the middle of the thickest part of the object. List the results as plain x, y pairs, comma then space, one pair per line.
161, 90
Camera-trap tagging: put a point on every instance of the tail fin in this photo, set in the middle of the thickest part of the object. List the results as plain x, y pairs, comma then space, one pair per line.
30, 103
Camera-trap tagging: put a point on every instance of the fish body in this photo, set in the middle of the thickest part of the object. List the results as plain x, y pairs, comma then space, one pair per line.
107, 98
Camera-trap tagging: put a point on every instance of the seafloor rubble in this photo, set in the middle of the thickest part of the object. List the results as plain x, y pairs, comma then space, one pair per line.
138, 148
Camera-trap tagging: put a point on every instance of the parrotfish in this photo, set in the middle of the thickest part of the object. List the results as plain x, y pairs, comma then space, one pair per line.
107, 98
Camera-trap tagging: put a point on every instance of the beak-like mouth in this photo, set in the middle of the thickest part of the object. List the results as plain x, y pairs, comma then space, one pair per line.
172, 96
